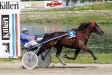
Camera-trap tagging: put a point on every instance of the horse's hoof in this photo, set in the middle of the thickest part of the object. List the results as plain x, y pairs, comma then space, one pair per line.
23, 67
65, 56
96, 61
52, 65
64, 65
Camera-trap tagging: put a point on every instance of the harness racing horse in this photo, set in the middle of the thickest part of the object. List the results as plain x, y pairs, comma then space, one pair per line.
82, 34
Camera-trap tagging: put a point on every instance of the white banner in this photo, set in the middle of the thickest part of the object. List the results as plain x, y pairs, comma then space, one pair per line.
9, 6
32, 4
9, 28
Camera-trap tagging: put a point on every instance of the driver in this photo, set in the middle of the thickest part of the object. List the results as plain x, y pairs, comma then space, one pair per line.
26, 40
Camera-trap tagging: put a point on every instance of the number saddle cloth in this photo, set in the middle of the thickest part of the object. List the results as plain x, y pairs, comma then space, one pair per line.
72, 35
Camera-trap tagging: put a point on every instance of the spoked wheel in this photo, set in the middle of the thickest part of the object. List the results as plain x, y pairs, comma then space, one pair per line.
44, 60
30, 60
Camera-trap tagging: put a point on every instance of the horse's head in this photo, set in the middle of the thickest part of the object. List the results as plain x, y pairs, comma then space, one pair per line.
92, 26
95, 28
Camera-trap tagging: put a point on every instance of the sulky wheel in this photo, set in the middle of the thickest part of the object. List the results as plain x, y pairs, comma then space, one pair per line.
44, 59
30, 60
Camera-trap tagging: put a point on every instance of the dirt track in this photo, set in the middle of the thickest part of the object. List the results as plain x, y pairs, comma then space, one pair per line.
15, 68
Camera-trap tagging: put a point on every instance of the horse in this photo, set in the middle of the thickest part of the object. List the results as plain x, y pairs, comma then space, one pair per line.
83, 33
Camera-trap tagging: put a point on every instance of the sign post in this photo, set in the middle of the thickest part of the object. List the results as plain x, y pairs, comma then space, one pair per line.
9, 28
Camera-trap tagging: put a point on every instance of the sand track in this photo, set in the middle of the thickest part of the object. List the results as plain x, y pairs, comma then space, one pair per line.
15, 68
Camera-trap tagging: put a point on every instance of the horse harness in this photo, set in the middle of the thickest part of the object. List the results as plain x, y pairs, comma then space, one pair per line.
73, 39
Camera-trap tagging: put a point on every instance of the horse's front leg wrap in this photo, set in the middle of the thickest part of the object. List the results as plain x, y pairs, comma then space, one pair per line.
61, 60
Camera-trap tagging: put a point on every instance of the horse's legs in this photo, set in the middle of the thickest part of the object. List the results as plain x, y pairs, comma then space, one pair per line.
75, 55
94, 57
88, 50
39, 52
59, 49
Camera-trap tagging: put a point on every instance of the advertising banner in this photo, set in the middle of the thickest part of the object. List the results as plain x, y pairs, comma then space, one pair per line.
9, 28
50, 4
32, 4
27, 4
39, 4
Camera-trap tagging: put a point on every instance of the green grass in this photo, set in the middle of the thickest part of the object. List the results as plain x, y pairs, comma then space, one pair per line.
86, 59
101, 6
9, 59
76, 20
73, 20
105, 17
103, 58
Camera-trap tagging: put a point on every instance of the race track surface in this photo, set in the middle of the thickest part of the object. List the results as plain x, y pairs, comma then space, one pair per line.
16, 68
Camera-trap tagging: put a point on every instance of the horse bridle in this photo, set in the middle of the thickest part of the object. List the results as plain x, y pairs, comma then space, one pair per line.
92, 23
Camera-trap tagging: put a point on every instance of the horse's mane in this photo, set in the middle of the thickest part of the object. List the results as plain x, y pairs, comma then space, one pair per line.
82, 27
